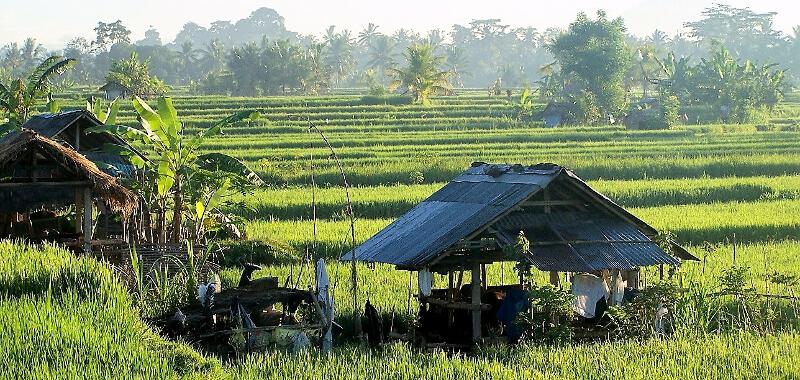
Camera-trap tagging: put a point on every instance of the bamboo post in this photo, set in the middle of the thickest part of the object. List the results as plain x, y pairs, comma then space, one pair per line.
410, 287
476, 301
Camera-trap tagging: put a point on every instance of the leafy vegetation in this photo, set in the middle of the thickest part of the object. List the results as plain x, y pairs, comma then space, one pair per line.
423, 77
135, 75
593, 58
19, 98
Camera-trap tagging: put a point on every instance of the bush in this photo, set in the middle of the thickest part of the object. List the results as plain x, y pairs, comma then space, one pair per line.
636, 319
548, 319
416, 178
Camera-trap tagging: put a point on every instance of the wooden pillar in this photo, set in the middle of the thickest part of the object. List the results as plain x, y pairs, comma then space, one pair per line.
476, 301
78, 210
87, 220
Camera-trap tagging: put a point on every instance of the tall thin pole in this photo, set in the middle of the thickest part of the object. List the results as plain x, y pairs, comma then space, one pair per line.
353, 268
310, 255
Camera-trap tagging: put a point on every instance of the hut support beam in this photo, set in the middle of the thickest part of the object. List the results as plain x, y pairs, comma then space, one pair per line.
87, 220
78, 210
476, 301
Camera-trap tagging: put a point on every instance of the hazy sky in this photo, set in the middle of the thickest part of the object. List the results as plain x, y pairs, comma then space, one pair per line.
53, 22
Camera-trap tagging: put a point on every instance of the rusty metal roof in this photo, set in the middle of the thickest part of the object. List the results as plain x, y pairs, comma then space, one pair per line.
485, 195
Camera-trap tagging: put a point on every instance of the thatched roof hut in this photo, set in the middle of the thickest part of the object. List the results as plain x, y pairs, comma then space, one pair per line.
36, 172
71, 129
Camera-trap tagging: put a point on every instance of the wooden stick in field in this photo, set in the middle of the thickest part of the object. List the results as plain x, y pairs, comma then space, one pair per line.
354, 270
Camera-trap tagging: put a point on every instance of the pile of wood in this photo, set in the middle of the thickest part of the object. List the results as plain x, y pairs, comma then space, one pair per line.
259, 313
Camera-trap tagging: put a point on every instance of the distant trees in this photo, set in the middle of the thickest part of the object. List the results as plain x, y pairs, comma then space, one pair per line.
738, 92
19, 59
593, 58
111, 33
151, 38
135, 75
746, 34
276, 67
263, 22
423, 76
480, 53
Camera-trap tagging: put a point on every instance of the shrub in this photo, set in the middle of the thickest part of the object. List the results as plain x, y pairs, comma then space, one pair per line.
548, 319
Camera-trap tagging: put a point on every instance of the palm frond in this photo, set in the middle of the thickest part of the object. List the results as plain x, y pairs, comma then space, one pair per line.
39, 79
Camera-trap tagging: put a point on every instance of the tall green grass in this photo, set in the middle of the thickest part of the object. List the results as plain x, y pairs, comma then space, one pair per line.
63, 317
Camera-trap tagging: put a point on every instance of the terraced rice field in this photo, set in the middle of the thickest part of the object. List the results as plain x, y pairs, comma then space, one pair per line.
704, 183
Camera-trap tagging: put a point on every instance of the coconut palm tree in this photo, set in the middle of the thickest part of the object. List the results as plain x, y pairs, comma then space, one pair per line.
339, 54
19, 98
381, 55
366, 36
13, 56
187, 59
423, 77
435, 38
213, 55
457, 63
31, 52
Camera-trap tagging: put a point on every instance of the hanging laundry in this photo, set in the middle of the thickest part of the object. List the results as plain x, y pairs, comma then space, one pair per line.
425, 282
588, 289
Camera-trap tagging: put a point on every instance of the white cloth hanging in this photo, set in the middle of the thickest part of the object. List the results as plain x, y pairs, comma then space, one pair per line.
617, 287
324, 297
425, 282
588, 289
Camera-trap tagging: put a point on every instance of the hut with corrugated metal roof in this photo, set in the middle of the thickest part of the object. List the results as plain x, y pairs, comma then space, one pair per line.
479, 217
115, 90
38, 174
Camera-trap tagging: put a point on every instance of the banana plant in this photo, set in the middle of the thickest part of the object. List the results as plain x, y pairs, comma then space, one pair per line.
175, 164
107, 115
19, 98
524, 106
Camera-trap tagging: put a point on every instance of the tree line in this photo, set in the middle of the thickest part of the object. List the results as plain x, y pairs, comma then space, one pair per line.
478, 54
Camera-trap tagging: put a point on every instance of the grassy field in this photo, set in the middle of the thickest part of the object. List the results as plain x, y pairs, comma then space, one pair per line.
704, 183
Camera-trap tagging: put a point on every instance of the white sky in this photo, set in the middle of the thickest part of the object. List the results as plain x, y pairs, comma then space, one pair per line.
53, 22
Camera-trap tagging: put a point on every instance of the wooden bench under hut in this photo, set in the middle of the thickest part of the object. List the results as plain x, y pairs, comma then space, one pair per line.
39, 176
573, 232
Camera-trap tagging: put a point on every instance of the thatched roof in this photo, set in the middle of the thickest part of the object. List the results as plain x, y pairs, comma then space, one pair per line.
117, 197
